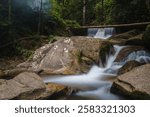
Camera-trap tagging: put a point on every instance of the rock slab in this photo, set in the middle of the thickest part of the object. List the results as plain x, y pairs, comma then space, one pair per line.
134, 84
24, 86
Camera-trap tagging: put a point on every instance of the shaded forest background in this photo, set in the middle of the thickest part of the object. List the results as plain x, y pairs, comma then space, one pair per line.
32, 18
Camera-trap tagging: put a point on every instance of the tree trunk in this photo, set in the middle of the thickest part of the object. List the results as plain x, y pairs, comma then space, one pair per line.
84, 12
148, 4
9, 16
40, 18
103, 15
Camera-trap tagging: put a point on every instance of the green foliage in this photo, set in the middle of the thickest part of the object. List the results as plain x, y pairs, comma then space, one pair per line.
24, 52
79, 55
71, 10
129, 11
71, 23
51, 39
103, 12
146, 36
56, 13
99, 13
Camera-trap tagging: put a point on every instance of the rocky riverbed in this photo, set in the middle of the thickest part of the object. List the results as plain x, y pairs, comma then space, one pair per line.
73, 56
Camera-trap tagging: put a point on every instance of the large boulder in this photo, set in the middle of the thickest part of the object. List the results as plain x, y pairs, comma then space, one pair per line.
24, 86
29, 86
134, 84
69, 55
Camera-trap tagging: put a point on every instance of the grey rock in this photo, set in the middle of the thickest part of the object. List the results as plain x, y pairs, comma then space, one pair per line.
134, 84
24, 86
68, 55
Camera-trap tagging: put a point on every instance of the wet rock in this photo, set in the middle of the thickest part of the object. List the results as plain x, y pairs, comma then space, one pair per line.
69, 55
55, 91
126, 51
134, 84
24, 86
128, 67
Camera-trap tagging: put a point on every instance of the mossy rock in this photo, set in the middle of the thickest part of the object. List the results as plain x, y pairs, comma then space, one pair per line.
146, 37
105, 50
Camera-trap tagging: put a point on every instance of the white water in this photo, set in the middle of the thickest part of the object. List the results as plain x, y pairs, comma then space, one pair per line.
104, 33
97, 82
140, 56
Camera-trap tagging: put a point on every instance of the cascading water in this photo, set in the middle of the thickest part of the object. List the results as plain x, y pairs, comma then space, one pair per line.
102, 33
140, 56
97, 82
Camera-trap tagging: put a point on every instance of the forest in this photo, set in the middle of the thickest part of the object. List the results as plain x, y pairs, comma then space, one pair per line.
53, 17
42, 58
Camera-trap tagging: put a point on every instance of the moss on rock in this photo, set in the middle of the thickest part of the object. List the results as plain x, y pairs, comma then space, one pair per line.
105, 50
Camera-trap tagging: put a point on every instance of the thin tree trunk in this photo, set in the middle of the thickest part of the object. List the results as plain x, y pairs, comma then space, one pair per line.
148, 4
84, 12
102, 4
40, 18
103, 15
9, 16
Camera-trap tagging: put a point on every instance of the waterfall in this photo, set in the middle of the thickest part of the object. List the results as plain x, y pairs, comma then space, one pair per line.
102, 33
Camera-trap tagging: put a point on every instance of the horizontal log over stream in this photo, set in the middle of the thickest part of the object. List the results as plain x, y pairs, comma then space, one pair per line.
117, 25
120, 28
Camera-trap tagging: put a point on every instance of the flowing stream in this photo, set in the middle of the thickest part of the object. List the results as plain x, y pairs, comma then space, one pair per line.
97, 82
